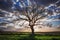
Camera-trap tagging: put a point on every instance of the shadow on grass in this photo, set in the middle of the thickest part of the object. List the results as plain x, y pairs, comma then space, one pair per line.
27, 37
32, 37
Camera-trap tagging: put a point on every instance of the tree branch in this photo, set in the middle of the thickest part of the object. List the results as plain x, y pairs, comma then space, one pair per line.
40, 18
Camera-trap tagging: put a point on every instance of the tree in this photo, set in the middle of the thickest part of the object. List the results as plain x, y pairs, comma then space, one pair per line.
31, 13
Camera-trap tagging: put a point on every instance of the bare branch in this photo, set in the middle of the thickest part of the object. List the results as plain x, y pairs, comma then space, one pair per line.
40, 18
20, 19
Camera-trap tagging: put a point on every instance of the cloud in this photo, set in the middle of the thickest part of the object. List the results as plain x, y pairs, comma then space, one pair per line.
5, 4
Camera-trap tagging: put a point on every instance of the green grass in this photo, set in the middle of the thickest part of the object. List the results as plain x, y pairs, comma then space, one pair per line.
29, 37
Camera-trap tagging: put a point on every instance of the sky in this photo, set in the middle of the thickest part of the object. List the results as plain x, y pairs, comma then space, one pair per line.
3, 3
6, 5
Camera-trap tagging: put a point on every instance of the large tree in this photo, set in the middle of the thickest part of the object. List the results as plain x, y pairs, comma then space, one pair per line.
31, 13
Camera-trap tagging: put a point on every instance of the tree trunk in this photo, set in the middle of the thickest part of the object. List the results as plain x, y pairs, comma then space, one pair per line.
32, 30
32, 36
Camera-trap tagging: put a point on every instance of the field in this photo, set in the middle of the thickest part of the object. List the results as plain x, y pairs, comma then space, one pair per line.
27, 36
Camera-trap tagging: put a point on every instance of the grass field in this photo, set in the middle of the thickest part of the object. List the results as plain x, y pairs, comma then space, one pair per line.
29, 37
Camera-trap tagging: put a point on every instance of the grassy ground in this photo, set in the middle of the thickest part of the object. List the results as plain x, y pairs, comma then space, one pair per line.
28, 37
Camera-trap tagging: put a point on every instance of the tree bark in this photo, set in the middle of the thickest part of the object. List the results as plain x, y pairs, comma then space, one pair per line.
32, 30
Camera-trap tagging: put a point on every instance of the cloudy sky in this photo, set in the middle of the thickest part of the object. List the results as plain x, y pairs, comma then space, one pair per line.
4, 4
